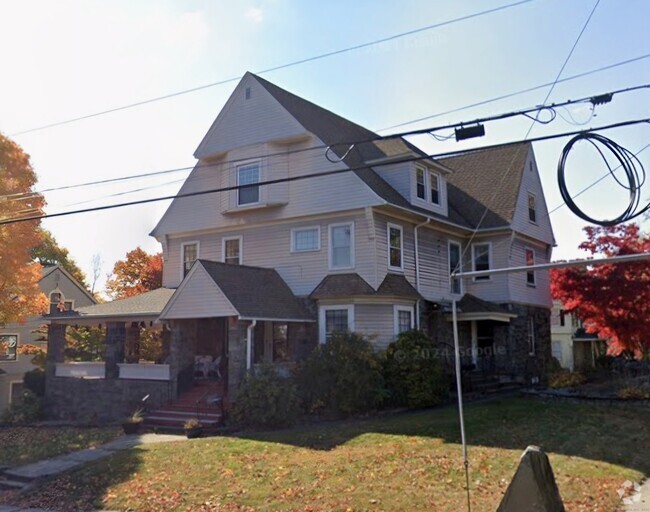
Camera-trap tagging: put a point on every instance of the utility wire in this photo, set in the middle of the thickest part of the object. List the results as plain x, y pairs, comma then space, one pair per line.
517, 93
276, 68
593, 99
321, 174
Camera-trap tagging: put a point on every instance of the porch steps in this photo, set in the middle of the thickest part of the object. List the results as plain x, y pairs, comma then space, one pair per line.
173, 416
479, 384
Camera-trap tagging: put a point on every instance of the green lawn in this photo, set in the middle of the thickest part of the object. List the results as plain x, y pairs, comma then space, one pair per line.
22, 445
394, 463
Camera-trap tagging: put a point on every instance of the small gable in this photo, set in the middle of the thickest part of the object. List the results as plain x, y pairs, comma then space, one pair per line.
250, 116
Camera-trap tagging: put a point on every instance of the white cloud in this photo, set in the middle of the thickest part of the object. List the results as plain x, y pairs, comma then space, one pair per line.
254, 14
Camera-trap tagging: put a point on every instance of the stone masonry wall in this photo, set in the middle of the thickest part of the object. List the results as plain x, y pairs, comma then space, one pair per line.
100, 400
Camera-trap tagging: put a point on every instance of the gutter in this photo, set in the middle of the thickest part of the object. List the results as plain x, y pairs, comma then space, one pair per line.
417, 270
249, 345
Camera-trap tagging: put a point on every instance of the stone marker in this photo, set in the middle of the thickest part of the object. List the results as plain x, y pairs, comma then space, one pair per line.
533, 487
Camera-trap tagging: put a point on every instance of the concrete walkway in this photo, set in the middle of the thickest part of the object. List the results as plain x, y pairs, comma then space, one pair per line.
638, 499
21, 478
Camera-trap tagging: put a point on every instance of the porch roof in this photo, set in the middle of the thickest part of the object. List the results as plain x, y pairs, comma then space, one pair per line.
146, 306
213, 289
471, 307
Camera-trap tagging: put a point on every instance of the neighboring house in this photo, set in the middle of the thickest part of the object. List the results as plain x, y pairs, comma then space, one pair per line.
264, 273
64, 292
571, 345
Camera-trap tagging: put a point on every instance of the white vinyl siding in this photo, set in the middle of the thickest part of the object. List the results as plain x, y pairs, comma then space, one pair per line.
341, 246
305, 239
395, 247
520, 290
268, 246
376, 323
201, 298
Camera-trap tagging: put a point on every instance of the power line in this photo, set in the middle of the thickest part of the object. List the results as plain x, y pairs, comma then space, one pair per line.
593, 99
320, 174
517, 93
276, 68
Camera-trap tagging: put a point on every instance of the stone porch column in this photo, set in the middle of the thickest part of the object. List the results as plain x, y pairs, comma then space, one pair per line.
55, 347
115, 339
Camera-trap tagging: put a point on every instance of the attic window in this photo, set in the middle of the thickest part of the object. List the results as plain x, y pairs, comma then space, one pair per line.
421, 190
532, 212
248, 93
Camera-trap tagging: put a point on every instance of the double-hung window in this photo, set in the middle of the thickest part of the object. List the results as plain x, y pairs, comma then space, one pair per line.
395, 247
403, 319
335, 319
248, 174
427, 185
454, 266
530, 260
305, 239
190, 253
231, 249
532, 212
341, 251
481, 259
58, 303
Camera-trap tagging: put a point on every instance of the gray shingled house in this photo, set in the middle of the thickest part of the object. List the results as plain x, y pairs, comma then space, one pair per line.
262, 274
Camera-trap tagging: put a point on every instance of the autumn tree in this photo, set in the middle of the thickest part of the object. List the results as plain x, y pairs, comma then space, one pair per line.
20, 296
612, 300
49, 252
140, 272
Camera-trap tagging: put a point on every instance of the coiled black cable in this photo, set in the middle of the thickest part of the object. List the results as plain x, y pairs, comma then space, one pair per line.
632, 168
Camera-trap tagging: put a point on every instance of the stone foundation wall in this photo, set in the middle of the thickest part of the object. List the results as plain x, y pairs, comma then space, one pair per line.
100, 400
517, 360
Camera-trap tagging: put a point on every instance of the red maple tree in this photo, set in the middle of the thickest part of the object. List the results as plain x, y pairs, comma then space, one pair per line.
612, 300
140, 272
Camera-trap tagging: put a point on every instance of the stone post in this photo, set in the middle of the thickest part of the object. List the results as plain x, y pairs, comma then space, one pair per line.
132, 343
55, 347
115, 339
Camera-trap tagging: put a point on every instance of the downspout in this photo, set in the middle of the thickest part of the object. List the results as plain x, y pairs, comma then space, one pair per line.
417, 269
249, 345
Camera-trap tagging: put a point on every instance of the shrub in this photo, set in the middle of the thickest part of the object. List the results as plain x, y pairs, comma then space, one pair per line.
265, 399
342, 377
566, 379
413, 371
29, 409
34, 381
633, 393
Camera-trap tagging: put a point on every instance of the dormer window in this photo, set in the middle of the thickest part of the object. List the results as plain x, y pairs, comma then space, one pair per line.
428, 186
248, 174
434, 188
421, 186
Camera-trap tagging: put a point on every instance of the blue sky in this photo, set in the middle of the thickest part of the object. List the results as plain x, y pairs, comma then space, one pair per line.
70, 58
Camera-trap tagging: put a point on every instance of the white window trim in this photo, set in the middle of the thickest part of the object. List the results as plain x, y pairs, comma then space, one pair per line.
390, 226
322, 335
11, 388
198, 254
4, 361
534, 283
490, 263
331, 247
425, 180
259, 179
306, 228
63, 298
239, 238
396, 310
531, 194
460, 267
531, 337
429, 194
